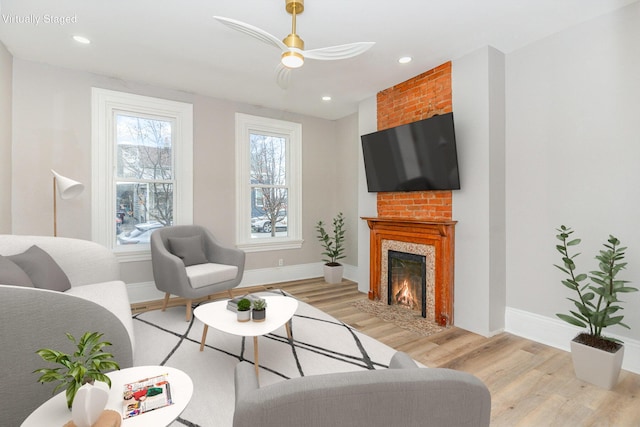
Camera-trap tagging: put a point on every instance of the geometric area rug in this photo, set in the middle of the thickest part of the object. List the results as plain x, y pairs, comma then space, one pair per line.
321, 344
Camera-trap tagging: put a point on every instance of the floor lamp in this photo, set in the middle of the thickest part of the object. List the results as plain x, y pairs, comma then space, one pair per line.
67, 189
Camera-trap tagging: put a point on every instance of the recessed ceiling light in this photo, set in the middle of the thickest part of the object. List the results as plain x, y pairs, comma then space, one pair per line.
81, 39
326, 98
405, 59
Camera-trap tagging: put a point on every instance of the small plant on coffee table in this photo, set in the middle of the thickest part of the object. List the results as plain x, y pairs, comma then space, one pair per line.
244, 304
259, 310
244, 307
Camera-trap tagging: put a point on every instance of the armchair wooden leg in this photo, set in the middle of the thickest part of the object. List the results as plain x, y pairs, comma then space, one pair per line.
166, 301
189, 310
230, 293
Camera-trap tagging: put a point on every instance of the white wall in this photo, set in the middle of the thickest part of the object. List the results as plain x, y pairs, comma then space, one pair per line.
573, 145
478, 108
52, 124
367, 202
6, 74
346, 193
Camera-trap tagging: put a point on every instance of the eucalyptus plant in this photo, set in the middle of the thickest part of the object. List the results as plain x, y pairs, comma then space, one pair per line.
333, 245
597, 302
85, 365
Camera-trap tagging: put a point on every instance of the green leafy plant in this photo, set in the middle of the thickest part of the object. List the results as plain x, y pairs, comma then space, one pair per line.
85, 365
333, 245
244, 304
597, 303
259, 304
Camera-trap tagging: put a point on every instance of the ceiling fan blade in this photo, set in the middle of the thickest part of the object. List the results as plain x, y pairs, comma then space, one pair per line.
338, 52
283, 76
252, 31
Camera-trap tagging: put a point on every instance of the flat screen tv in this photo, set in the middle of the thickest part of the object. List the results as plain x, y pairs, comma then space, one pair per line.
417, 156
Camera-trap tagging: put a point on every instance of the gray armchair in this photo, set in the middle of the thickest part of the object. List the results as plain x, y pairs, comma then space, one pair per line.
188, 262
404, 395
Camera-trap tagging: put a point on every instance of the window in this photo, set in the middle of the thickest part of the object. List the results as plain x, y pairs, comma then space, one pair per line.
269, 193
142, 158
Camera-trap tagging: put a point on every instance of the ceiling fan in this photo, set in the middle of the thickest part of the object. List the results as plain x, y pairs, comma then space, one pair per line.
292, 46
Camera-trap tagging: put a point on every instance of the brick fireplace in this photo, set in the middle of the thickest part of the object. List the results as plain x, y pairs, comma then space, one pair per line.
416, 222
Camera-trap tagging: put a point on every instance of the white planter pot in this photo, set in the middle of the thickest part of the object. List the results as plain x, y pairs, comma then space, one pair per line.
596, 366
244, 316
333, 274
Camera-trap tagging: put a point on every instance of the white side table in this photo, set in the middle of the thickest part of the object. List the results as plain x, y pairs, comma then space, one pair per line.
280, 309
54, 411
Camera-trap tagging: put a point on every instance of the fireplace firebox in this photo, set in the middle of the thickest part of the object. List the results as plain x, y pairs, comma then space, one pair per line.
407, 281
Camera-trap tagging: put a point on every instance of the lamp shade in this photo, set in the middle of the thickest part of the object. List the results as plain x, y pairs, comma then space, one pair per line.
67, 187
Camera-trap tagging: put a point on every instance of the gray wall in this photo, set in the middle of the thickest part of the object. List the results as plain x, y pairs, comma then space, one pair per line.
346, 189
52, 125
6, 73
478, 88
573, 144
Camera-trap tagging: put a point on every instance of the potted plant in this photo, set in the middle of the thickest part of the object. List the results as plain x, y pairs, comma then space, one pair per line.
85, 365
596, 358
333, 249
244, 307
259, 309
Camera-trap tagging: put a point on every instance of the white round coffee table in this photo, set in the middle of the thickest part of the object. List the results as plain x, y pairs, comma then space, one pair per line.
54, 411
280, 309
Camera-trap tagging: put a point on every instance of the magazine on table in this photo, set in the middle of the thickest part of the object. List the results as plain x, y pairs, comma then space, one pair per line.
146, 395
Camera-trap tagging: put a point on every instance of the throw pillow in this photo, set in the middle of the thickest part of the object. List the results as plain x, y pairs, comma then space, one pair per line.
11, 274
42, 269
188, 249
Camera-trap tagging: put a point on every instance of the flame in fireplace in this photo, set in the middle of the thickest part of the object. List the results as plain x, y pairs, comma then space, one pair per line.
404, 296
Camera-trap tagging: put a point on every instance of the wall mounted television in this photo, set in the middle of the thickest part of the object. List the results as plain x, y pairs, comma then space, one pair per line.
417, 156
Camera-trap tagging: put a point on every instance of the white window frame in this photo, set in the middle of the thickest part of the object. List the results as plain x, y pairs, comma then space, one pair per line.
292, 132
105, 105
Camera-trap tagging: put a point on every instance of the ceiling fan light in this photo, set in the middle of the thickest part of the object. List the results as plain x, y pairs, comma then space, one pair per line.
292, 59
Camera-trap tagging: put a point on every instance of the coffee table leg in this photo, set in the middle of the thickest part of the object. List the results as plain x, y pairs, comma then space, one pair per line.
255, 355
288, 328
204, 336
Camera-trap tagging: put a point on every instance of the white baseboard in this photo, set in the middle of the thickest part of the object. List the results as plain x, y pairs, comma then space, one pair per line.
146, 291
558, 334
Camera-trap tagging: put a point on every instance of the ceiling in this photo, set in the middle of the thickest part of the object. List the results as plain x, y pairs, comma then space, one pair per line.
177, 44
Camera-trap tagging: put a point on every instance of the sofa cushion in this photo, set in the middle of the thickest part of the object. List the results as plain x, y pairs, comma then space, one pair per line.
207, 274
42, 269
188, 249
12, 274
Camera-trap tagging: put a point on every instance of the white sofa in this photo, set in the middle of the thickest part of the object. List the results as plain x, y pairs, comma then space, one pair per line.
33, 318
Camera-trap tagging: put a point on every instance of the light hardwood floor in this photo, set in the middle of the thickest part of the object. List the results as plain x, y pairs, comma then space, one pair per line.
531, 384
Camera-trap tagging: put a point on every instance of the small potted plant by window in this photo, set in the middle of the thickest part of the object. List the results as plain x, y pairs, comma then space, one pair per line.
333, 249
259, 307
244, 310
85, 365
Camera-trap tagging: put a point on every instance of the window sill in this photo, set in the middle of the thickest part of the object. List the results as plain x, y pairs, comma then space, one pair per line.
130, 254
270, 246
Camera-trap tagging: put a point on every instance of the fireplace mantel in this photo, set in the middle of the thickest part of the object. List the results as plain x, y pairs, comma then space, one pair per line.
437, 233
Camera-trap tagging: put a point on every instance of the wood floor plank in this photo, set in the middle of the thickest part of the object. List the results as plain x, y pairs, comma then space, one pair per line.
531, 384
